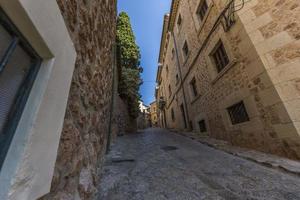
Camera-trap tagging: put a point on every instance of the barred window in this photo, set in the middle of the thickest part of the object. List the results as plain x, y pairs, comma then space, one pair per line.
202, 9
202, 126
220, 57
238, 113
19, 65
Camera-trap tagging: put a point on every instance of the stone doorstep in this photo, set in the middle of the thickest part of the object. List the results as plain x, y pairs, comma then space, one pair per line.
268, 160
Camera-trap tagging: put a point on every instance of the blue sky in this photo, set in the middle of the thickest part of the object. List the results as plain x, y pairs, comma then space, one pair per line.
147, 21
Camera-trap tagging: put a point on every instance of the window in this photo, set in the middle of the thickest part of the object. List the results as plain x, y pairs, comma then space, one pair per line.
172, 114
220, 57
194, 87
202, 9
202, 126
177, 79
238, 113
173, 53
179, 22
19, 65
170, 91
167, 69
185, 49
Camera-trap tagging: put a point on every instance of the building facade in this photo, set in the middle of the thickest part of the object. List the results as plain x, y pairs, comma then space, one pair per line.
144, 118
230, 70
57, 71
153, 114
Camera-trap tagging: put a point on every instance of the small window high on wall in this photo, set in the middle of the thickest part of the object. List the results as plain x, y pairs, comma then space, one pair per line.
19, 66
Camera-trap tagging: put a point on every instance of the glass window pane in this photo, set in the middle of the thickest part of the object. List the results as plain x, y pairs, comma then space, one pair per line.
11, 79
5, 40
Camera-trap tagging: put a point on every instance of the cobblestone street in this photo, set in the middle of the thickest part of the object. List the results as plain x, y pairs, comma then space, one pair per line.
159, 165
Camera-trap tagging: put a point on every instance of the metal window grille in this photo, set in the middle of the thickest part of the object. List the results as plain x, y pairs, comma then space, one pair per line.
19, 65
202, 126
202, 9
194, 87
238, 113
220, 57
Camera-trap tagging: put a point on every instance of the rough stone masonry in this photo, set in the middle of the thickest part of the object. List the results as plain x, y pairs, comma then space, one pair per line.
91, 24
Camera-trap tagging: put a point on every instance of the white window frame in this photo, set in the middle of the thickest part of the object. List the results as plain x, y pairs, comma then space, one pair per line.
28, 167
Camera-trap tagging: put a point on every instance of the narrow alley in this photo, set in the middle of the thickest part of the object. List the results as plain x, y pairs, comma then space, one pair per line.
157, 165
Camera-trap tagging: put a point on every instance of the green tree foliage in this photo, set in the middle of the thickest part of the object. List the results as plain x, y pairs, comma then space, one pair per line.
128, 60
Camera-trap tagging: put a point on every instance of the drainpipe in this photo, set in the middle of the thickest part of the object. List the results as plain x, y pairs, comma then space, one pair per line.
181, 81
114, 91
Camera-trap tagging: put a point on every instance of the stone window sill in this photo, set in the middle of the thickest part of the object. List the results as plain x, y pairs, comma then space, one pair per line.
224, 71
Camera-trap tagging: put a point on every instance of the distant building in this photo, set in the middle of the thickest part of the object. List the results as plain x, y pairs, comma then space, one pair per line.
230, 70
144, 118
153, 113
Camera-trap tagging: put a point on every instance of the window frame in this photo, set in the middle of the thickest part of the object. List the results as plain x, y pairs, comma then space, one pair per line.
177, 79
202, 10
173, 115
37, 136
167, 70
220, 56
232, 112
179, 22
173, 53
202, 126
23, 93
185, 49
170, 91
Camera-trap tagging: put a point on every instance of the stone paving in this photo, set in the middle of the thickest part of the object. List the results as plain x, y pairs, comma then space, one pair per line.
148, 166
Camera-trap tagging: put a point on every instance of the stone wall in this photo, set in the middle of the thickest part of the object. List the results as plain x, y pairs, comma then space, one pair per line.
263, 72
91, 25
121, 117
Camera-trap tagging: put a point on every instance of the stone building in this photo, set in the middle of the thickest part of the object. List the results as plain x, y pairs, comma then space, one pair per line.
144, 118
153, 114
230, 70
56, 96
